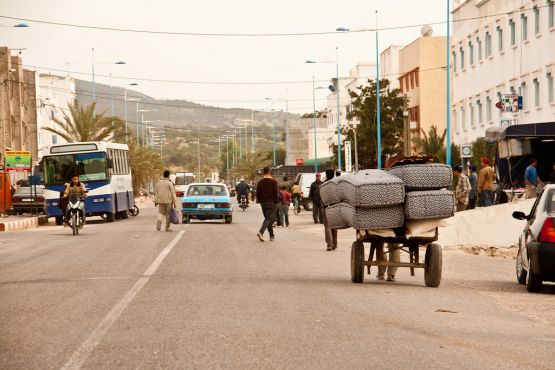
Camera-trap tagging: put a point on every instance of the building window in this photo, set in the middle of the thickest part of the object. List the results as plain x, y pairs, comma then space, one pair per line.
470, 53
462, 58
471, 110
522, 92
536, 92
479, 105
524, 21
454, 62
463, 123
513, 32
550, 87
512, 90
52, 114
488, 108
54, 139
550, 16
455, 120
499, 39
536, 20
488, 45
479, 47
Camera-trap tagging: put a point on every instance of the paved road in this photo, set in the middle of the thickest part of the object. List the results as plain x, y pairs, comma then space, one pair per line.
210, 295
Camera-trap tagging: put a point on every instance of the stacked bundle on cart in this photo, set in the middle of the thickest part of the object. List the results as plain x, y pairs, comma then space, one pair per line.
368, 199
426, 197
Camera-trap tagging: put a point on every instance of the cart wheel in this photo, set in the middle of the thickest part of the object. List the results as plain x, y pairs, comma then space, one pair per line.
432, 271
357, 262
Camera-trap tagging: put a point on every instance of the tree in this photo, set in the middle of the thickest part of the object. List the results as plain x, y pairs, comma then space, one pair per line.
432, 143
481, 148
249, 164
82, 124
145, 163
364, 110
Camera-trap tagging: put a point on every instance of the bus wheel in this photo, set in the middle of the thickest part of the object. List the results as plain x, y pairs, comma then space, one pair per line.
109, 217
124, 215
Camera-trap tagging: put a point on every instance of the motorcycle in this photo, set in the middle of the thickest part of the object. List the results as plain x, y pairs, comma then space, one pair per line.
75, 213
244, 202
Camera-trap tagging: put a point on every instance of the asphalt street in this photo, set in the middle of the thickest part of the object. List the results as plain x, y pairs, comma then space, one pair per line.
210, 295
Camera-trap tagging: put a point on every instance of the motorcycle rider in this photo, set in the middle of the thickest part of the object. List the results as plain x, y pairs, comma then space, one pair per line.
75, 187
242, 189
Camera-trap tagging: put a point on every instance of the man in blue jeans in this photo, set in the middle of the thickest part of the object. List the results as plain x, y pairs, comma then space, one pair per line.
267, 195
531, 179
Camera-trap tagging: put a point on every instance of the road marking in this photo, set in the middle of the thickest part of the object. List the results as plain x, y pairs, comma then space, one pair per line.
78, 358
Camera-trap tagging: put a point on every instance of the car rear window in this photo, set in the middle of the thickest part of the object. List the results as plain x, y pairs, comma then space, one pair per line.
27, 191
551, 202
200, 190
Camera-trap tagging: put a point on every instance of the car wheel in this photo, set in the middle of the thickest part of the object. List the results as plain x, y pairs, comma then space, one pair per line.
228, 219
534, 281
520, 271
186, 219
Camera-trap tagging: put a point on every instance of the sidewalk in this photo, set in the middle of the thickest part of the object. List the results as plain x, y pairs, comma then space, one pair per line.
15, 223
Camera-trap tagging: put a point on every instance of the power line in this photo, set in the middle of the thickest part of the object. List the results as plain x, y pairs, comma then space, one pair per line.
206, 34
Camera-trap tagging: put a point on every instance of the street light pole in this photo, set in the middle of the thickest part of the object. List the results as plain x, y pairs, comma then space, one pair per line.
448, 91
198, 154
378, 117
338, 111
286, 129
314, 125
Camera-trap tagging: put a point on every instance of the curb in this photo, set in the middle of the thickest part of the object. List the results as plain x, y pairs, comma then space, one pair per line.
28, 223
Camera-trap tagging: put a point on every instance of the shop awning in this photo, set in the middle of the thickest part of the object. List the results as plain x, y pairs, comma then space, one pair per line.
531, 131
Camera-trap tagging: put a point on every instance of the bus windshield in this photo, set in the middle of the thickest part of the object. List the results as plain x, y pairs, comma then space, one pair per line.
60, 169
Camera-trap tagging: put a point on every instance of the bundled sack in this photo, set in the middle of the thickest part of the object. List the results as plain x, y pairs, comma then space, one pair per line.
335, 218
329, 192
431, 204
371, 189
428, 176
373, 218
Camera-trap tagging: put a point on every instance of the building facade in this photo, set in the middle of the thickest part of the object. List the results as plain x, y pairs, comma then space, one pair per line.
389, 65
55, 94
18, 112
422, 78
511, 52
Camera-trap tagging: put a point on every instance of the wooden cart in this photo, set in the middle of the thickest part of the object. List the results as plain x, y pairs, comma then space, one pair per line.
411, 245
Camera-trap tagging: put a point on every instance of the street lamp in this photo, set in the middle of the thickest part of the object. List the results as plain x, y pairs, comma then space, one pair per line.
125, 106
198, 155
378, 111
142, 122
119, 62
336, 90
274, 127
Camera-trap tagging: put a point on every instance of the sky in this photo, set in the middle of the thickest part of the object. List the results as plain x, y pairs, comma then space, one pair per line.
215, 59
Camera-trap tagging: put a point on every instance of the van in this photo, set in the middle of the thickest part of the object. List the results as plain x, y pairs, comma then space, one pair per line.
5, 193
304, 180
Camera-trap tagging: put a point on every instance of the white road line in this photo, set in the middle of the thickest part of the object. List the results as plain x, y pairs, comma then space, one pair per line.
78, 358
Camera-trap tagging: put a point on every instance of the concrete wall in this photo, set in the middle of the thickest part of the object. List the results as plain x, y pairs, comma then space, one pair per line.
389, 65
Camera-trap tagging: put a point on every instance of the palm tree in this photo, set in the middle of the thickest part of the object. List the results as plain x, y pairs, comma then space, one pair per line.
248, 166
83, 124
431, 143
145, 163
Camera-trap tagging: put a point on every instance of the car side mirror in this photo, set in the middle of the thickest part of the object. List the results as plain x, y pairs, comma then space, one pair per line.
520, 215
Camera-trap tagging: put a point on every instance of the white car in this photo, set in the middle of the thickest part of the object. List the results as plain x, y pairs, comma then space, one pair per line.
535, 262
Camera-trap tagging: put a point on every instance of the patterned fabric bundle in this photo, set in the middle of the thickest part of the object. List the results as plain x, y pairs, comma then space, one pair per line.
329, 192
431, 204
371, 189
373, 218
429, 176
334, 215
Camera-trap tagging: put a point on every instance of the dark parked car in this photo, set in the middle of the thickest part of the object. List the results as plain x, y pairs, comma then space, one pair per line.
535, 261
24, 201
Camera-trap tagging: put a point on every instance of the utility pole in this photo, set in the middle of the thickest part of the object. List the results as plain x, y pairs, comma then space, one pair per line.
406, 127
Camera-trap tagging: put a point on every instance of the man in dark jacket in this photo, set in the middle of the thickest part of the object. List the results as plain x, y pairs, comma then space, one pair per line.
314, 196
331, 234
267, 191
242, 189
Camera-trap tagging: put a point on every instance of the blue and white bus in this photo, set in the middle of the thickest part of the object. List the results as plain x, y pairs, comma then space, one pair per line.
104, 169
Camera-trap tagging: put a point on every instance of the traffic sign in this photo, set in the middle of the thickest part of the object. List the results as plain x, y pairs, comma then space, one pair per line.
466, 151
510, 103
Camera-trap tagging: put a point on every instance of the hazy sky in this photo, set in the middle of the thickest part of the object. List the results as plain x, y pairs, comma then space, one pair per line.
217, 59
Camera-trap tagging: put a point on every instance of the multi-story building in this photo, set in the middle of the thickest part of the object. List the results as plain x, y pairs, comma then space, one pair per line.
389, 65
501, 47
18, 113
422, 79
55, 94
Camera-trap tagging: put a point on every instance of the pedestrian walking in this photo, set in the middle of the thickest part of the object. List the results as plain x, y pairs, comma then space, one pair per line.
531, 179
330, 234
473, 194
462, 190
267, 195
164, 199
314, 196
285, 203
485, 184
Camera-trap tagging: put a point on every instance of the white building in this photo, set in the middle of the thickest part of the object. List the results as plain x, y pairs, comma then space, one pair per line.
389, 65
501, 47
54, 94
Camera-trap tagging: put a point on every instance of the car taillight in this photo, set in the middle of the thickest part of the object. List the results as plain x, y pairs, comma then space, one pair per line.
189, 205
40, 199
16, 199
547, 235
179, 194
223, 205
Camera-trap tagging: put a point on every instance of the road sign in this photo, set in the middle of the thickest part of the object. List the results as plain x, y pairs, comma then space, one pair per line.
348, 163
18, 161
510, 103
466, 151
